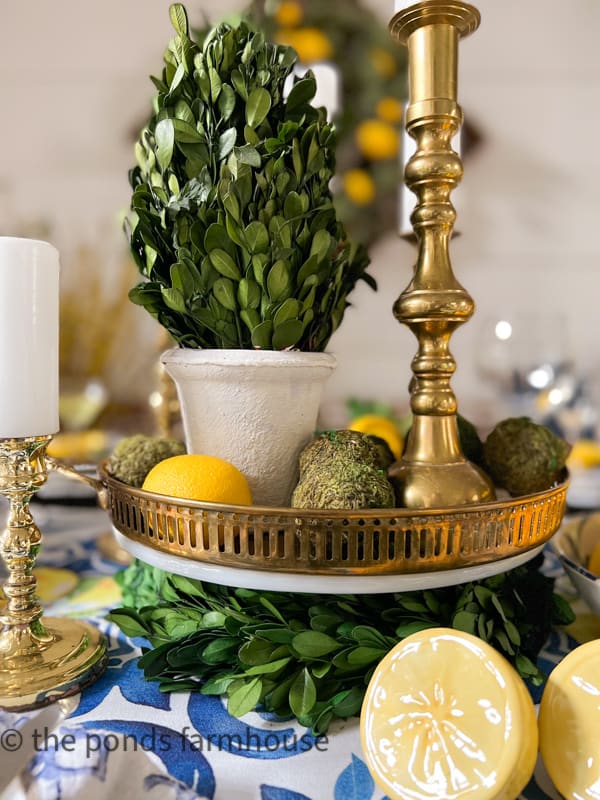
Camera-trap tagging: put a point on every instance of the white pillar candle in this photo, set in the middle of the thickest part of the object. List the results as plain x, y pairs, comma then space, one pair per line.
28, 338
401, 5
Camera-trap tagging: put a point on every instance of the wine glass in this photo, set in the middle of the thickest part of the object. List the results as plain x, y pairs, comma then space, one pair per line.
527, 357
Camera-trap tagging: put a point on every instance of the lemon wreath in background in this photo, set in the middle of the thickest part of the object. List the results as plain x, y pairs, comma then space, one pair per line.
372, 78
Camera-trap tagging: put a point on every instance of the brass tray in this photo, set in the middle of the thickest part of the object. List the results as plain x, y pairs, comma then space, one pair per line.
367, 542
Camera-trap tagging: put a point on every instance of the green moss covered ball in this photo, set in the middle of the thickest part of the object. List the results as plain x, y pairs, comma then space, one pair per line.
344, 469
524, 457
134, 456
345, 445
344, 484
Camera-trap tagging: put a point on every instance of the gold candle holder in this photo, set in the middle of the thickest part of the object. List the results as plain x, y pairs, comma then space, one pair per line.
433, 472
41, 661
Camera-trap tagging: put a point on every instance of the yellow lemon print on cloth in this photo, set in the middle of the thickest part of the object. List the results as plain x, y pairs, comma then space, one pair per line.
54, 582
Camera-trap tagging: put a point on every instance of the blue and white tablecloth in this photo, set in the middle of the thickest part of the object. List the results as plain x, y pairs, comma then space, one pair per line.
126, 739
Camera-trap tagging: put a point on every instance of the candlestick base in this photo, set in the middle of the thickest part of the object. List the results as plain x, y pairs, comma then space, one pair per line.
40, 660
37, 670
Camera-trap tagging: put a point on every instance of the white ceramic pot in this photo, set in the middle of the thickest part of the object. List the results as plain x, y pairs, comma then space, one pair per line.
254, 408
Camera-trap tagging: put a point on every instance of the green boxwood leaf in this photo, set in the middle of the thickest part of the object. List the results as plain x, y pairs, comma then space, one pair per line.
164, 136
247, 155
179, 18
361, 656
465, 621
320, 245
292, 206
186, 133
248, 293
215, 84
245, 698
261, 335
302, 93
173, 299
269, 668
184, 112
217, 685
224, 291
224, 264
251, 136
349, 702
215, 238
407, 628
287, 334
313, 644
251, 318
278, 281
219, 650
239, 84
227, 100
256, 651
226, 143
256, 237
258, 105
128, 621
177, 78
289, 309
303, 694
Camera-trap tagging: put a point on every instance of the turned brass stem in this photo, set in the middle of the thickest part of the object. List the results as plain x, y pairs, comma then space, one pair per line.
22, 472
433, 471
40, 660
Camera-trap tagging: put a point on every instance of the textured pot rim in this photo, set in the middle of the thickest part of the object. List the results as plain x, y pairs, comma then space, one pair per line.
245, 358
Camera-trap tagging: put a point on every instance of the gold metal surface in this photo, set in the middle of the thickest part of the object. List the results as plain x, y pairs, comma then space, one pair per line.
41, 660
368, 542
433, 471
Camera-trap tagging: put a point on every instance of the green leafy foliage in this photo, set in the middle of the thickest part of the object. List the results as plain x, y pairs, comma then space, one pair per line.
231, 213
313, 655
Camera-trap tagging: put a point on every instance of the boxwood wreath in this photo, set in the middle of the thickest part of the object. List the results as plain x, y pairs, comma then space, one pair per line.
311, 656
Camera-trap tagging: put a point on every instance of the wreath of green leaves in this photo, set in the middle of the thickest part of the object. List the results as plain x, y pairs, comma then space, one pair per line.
312, 656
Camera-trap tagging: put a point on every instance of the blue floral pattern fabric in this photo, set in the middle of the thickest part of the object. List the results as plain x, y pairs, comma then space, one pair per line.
128, 739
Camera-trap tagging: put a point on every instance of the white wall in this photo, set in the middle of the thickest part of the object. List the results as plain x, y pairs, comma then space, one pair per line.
74, 85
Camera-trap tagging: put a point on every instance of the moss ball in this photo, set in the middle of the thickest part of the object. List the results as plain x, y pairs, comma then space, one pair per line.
343, 485
524, 457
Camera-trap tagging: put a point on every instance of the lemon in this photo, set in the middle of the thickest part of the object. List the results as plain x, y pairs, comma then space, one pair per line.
377, 140
359, 186
288, 13
389, 109
594, 561
376, 425
311, 44
569, 723
585, 454
445, 715
199, 477
383, 62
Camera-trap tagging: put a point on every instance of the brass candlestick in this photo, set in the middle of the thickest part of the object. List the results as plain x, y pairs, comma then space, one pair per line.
433, 472
40, 661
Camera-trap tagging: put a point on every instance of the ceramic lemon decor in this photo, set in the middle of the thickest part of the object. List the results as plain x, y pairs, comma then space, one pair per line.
569, 724
446, 716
